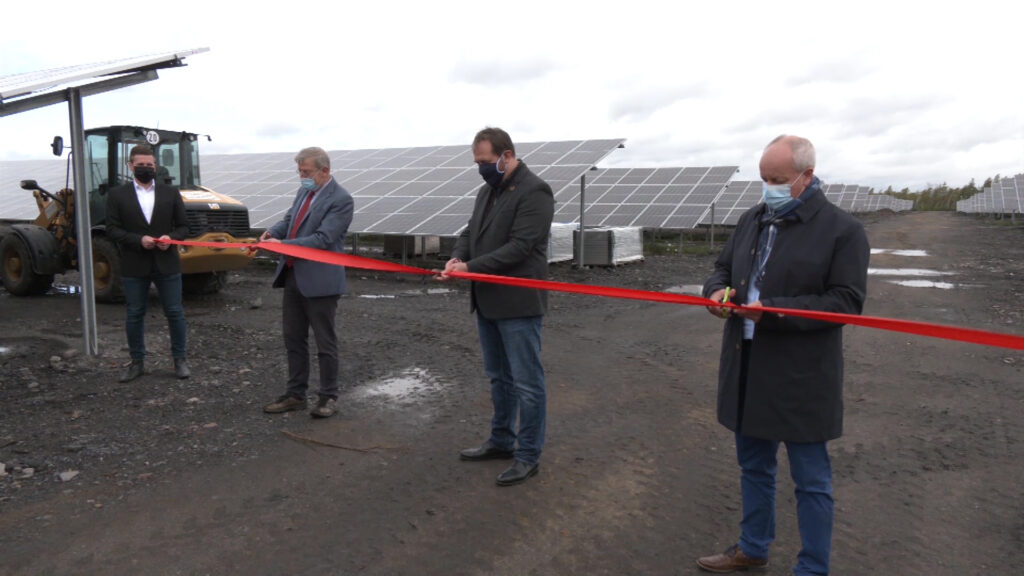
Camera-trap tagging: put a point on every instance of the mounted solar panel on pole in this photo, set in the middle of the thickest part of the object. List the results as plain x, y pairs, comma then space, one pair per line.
33, 90
654, 198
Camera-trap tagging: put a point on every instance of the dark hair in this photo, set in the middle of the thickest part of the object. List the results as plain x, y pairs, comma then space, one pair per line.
499, 139
140, 150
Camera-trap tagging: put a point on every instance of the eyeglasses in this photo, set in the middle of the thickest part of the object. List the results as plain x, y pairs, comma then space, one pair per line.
308, 173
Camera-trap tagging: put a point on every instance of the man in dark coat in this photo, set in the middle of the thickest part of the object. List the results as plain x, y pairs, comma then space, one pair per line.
508, 235
781, 377
139, 215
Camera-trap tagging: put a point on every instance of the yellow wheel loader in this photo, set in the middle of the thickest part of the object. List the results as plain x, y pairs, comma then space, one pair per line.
32, 253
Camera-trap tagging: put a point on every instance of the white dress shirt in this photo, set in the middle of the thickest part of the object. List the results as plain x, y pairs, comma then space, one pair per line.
147, 198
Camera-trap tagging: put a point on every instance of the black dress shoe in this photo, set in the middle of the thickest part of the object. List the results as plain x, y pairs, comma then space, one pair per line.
181, 370
133, 371
517, 473
487, 451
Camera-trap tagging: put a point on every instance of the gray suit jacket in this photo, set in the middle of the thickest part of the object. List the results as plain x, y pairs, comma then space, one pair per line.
511, 241
324, 226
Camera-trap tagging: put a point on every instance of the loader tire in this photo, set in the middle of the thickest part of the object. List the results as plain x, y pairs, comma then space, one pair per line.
16, 269
106, 270
203, 282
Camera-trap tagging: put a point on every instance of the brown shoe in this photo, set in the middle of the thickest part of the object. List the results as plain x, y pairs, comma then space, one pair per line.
325, 408
285, 403
732, 560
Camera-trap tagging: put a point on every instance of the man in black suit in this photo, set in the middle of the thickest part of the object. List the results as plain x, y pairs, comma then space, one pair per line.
140, 215
508, 235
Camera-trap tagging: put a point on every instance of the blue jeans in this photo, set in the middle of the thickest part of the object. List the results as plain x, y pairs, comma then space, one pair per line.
511, 350
136, 296
811, 470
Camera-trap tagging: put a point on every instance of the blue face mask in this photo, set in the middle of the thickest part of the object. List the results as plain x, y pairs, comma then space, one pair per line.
491, 173
777, 195
307, 184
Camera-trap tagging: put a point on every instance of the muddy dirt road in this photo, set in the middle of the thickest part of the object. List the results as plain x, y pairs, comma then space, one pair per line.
190, 477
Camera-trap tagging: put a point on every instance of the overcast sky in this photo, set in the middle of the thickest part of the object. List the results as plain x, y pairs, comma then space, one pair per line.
900, 93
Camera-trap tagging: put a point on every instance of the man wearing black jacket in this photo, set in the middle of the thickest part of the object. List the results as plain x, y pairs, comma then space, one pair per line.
508, 235
780, 378
140, 215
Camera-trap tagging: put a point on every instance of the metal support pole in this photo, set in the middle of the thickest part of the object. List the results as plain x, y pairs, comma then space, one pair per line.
83, 223
405, 250
583, 244
355, 243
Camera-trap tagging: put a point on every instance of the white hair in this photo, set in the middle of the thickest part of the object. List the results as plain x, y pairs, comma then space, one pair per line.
803, 150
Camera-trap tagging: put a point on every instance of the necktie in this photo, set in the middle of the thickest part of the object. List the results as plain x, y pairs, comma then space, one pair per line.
295, 224
301, 215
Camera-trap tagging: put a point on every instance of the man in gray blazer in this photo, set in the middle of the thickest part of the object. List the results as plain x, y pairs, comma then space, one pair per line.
508, 235
319, 218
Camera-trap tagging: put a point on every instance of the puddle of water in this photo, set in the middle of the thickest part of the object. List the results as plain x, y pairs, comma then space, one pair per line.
4, 350
422, 291
418, 292
692, 289
405, 386
906, 272
66, 289
924, 284
914, 253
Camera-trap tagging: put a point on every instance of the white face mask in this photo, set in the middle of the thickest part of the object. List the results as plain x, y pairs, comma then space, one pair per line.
777, 195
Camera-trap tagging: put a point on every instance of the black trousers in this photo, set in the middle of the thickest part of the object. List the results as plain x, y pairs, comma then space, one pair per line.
299, 314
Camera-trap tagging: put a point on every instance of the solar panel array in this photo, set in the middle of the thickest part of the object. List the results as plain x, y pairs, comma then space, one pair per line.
1005, 196
431, 190
666, 198
741, 195
17, 204
417, 191
876, 202
842, 195
854, 198
738, 197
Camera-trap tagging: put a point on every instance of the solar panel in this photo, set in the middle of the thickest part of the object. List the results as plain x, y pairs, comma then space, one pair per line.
18, 85
645, 197
738, 197
422, 190
17, 204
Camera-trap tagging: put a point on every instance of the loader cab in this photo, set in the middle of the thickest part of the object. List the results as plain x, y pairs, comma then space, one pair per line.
106, 160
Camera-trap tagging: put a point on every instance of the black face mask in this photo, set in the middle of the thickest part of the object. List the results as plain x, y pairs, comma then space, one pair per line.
491, 174
145, 174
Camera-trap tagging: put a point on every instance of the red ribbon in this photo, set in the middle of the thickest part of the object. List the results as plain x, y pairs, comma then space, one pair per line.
946, 332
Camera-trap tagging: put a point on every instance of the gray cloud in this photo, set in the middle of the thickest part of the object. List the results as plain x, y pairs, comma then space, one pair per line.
876, 116
498, 73
640, 105
837, 71
778, 116
277, 130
